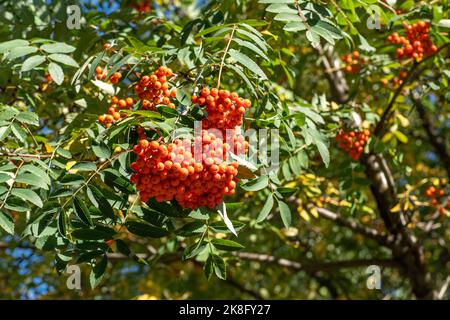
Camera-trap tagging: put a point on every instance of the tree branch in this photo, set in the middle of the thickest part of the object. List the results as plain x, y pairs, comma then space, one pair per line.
438, 142
379, 237
325, 266
413, 74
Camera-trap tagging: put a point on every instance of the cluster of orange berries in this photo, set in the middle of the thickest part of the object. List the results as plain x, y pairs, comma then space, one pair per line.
353, 62
225, 109
102, 75
436, 196
143, 6
417, 43
114, 113
396, 81
353, 142
194, 173
154, 89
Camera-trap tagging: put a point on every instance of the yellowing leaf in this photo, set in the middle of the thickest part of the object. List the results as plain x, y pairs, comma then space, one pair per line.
396, 208
314, 213
388, 136
48, 148
334, 105
69, 165
404, 122
146, 297
345, 203
304, 215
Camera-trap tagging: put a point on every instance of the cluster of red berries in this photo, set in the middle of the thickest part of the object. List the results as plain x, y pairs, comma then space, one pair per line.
225, 110
103, 74
353, 62
437, 197
417, 43
353, 142
143, 6
177, 172
154, 89
114, 113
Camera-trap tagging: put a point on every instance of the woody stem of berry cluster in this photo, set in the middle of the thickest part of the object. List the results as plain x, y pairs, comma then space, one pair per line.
224, 56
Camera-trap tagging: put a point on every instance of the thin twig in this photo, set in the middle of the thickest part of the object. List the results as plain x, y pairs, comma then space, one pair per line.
224, 55
444, 289
380, 237
107, 162
316, 266
12, 184
412, 75
24, 155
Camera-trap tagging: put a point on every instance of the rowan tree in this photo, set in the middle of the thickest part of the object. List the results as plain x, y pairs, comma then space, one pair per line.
102, 164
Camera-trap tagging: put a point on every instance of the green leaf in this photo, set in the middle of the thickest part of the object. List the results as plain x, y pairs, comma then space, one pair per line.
32, 180
36, 171
238, 70
192, 228
98, 272
287, 192
223, 214
64, 153
289, 17
226, 245
8, 113
277, 1
145, 230
28, 118
295, 166
119, 64
27, 195
285, 213
295, 26
251, 46
6, 222
91, 234
221, 227
20, 52
64, 59
62, 229
102, 203
324, 153
5, 46
32, 62
58, 47
84, 166
445, 23
208, 269
193, 250
19, 132
56, 72
4, 177
82, 211
101, 151
280, 7
105, 87
245, 61
268, 205
256, 184
72, 179
219, 266
256, 38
